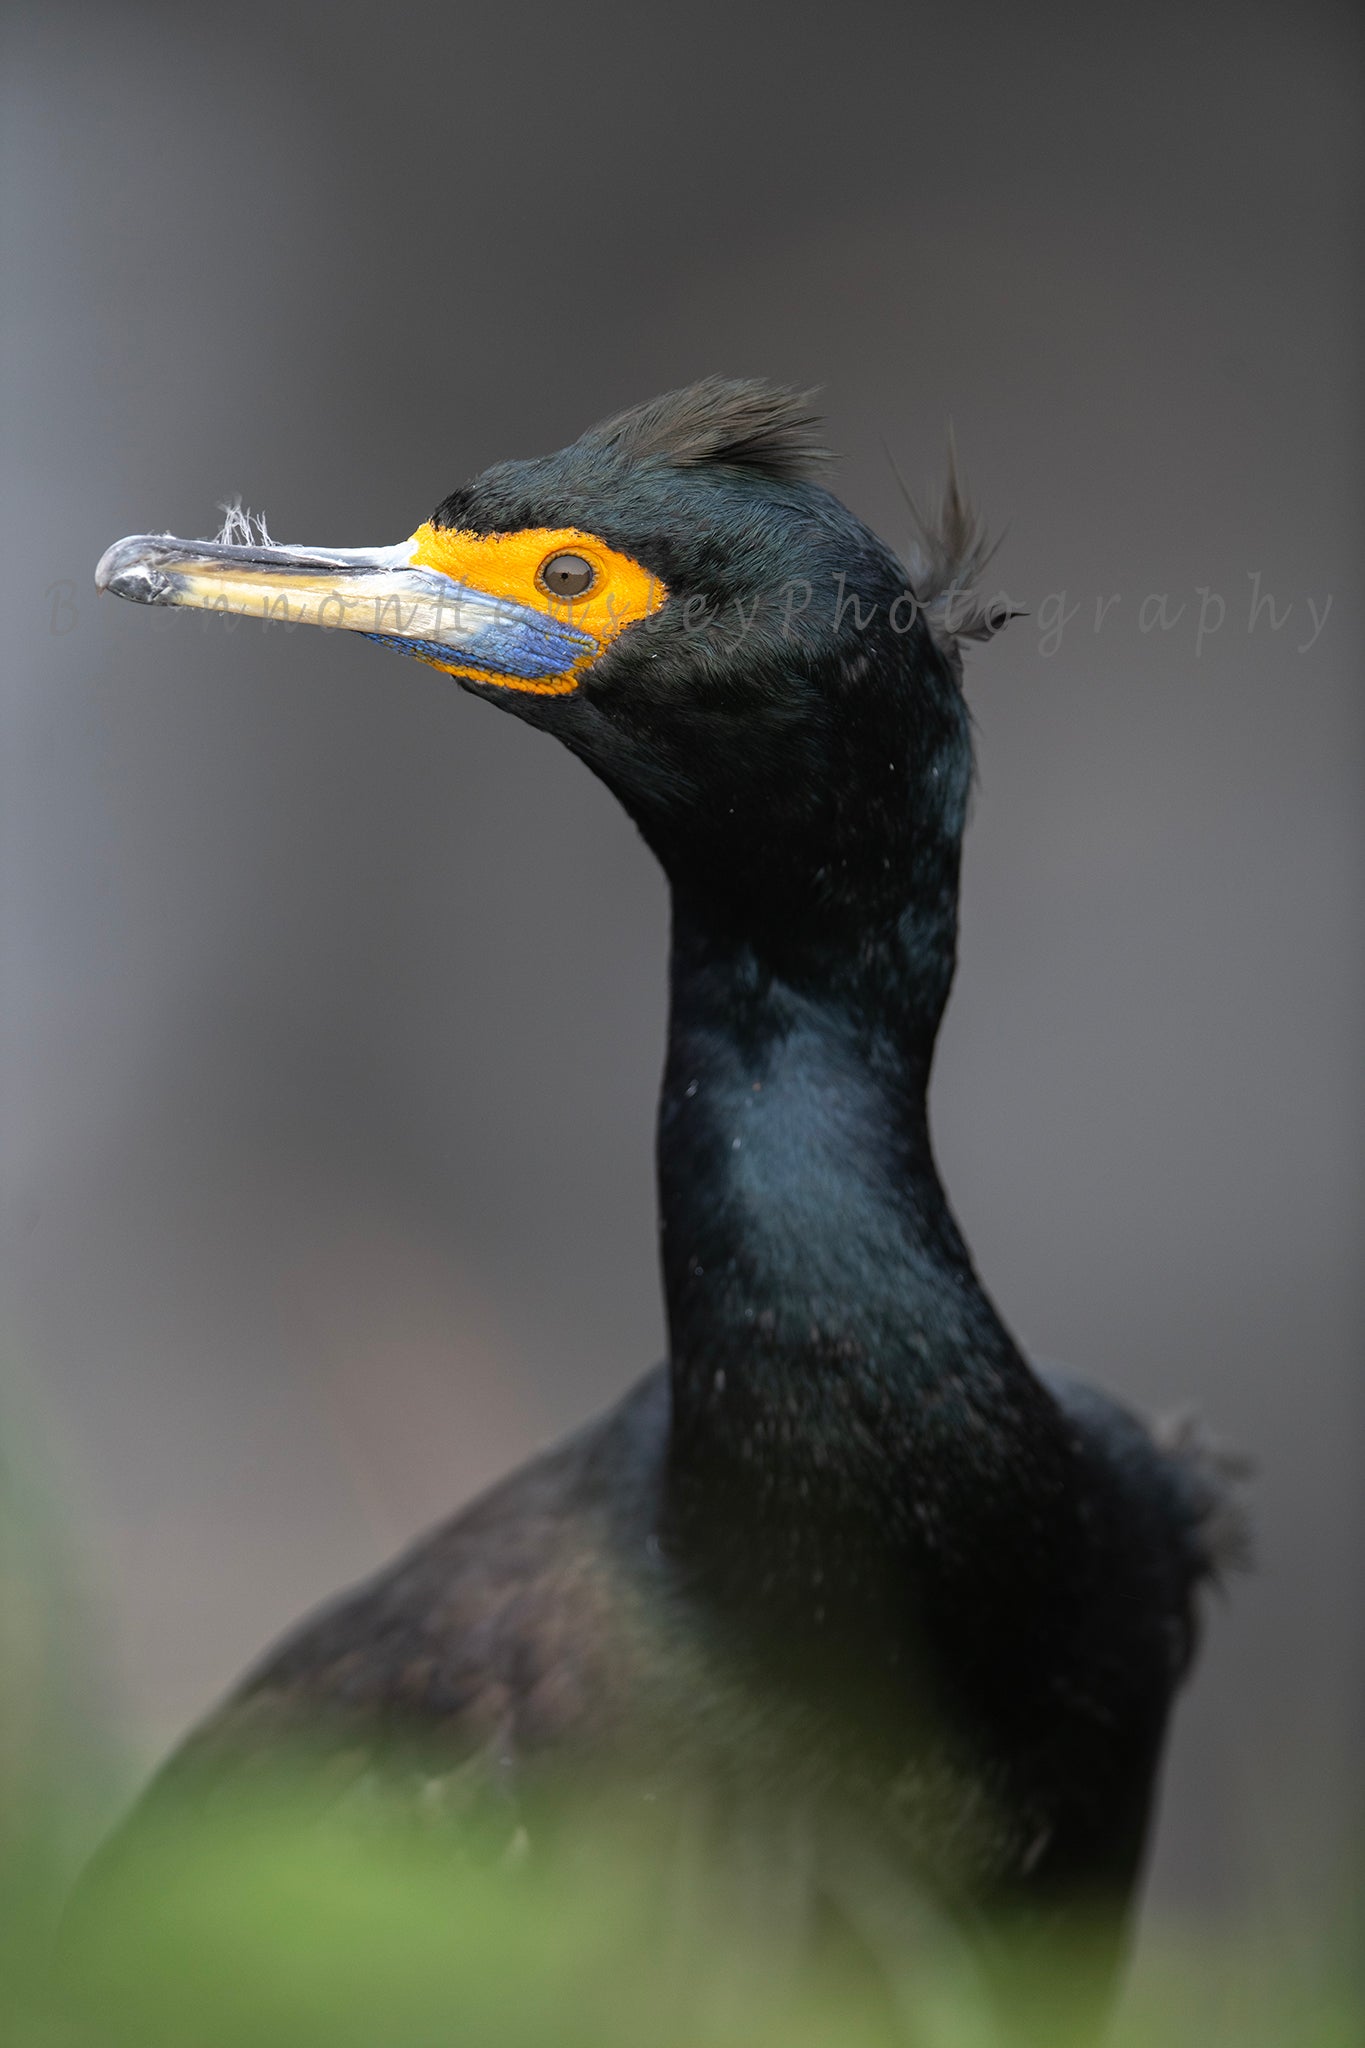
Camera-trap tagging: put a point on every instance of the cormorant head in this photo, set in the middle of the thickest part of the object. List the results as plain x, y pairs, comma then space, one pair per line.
680, 600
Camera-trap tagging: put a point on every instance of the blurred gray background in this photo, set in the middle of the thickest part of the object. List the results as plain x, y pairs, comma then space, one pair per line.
333, 1001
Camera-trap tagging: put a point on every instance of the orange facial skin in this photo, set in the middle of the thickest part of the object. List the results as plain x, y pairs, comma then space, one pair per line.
507, 565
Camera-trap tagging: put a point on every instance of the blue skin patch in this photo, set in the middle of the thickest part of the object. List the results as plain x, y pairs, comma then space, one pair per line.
524, 646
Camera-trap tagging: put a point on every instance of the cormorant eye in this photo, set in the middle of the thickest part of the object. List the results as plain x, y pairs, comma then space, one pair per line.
567, 575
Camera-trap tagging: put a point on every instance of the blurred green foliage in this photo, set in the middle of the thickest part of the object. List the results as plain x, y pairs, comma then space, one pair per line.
266, 1922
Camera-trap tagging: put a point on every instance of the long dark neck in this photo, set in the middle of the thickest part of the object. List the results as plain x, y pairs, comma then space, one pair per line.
853, 1426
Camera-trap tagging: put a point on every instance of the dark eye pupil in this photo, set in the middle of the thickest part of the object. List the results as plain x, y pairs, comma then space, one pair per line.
567, 575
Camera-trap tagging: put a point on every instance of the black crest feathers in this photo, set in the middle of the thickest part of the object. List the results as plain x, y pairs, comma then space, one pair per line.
735, 422
948, 555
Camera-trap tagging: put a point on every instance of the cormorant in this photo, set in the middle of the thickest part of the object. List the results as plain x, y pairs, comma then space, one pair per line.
848, 1566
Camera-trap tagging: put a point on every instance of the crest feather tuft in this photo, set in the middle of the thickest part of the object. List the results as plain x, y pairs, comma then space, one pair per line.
732, 422
949, 552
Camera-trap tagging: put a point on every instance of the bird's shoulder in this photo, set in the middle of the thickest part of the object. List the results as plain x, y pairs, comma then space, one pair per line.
1167, 1499
518, 1625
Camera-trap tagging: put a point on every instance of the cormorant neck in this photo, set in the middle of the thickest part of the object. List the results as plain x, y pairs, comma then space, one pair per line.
851, 1418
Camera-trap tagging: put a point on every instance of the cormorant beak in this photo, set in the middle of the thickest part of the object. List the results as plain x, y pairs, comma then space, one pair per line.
392, 595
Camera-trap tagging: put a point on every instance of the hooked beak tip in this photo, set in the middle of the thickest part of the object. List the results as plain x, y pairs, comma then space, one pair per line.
130, 569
